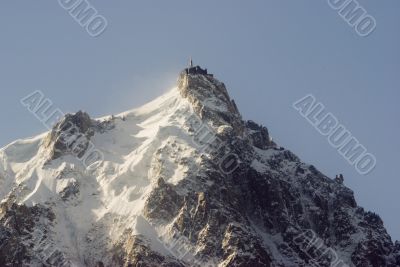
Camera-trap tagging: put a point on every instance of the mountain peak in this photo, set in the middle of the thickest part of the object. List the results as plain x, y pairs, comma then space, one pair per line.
163, 194
210, 99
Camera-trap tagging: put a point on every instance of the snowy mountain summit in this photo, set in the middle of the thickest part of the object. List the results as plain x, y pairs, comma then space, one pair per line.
180, 181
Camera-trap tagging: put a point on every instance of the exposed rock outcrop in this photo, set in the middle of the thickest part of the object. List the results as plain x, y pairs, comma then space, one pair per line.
70, 136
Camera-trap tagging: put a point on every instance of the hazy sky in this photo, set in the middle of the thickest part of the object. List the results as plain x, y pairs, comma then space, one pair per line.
268, 53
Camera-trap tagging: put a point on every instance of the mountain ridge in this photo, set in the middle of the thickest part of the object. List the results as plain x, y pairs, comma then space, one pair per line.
183, 169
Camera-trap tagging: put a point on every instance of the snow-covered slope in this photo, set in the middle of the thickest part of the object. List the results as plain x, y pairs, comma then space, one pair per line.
81, 197
180, 181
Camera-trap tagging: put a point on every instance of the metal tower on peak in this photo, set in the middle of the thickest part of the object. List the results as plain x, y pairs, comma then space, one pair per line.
190, 63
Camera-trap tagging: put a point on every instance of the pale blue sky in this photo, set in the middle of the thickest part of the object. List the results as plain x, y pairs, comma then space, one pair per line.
269, 54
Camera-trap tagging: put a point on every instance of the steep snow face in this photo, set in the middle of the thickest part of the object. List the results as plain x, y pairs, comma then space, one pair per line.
157, 194
127, 148
137, 148
18, 161
136, 151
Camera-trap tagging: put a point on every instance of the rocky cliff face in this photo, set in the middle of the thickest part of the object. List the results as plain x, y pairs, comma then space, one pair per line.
182, 181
